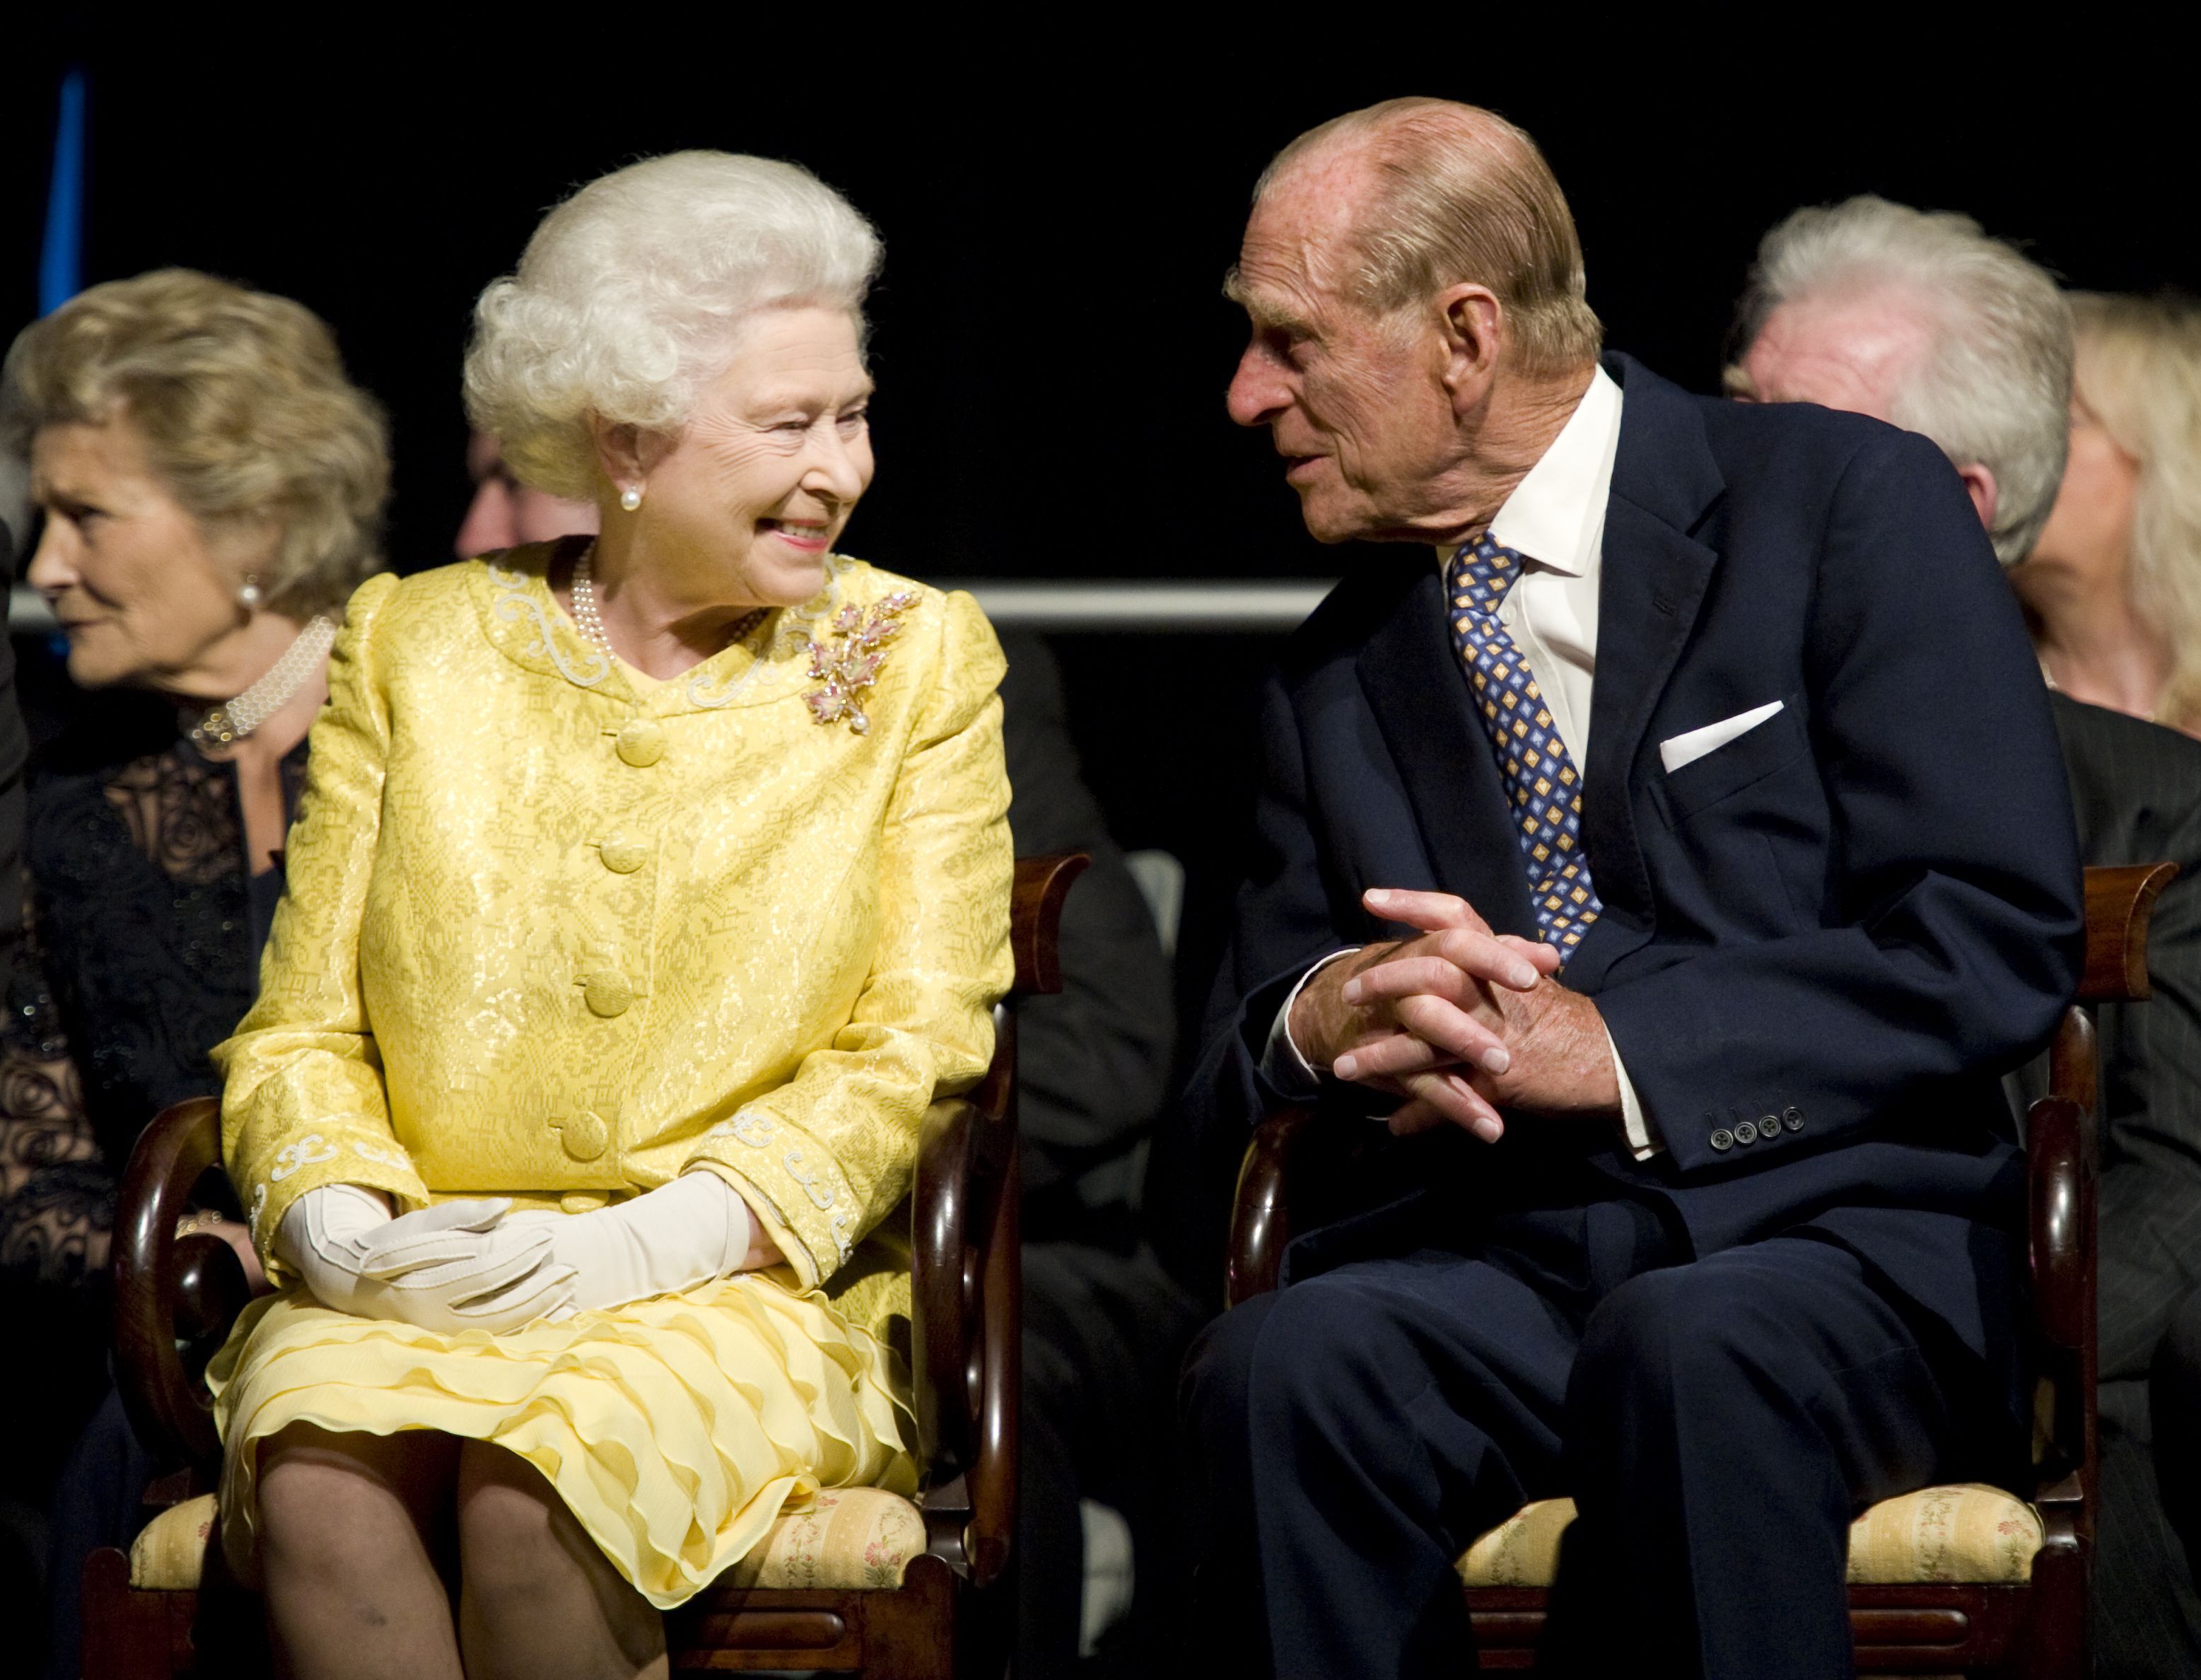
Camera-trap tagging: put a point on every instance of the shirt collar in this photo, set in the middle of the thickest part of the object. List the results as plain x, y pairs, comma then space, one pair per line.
1556, 515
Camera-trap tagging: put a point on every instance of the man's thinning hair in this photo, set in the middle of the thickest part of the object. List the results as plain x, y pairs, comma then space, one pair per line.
1995, 389
1462, 195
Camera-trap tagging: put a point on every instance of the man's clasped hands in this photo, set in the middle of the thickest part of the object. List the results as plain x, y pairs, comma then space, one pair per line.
1459, 1021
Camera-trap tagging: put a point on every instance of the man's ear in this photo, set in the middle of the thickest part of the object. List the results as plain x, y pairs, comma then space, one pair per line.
1472, 322
1979, 483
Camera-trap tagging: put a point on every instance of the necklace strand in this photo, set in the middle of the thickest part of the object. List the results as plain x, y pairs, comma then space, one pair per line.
234, 720
591, 624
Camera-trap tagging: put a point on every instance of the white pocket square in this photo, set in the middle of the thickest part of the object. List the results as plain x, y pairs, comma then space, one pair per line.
1688, 749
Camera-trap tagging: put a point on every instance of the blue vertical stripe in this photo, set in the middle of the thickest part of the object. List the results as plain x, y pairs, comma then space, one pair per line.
60, 259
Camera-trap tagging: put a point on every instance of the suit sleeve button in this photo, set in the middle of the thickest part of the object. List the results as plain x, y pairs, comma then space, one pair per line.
1745, 1132
1792, 1118
1722, 1140
1769, 1125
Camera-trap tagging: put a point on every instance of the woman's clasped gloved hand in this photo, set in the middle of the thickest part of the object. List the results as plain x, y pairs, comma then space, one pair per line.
673, 1238
449, 1267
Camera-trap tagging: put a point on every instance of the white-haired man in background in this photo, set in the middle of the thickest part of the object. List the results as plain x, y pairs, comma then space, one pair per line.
1924, 320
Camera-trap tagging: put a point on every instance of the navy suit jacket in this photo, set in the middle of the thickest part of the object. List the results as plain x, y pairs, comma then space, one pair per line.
1852, 919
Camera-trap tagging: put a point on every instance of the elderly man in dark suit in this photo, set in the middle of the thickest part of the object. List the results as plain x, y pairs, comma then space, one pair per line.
1685, 842
1922, 319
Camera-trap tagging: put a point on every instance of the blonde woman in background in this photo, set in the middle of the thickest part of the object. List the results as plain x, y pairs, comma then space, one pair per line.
2113, 587
212, 488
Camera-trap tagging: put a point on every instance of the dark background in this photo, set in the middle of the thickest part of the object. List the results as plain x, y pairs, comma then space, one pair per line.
1050, 342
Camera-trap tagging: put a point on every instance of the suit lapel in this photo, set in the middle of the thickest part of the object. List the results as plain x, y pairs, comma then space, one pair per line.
1651, 586
1418, 692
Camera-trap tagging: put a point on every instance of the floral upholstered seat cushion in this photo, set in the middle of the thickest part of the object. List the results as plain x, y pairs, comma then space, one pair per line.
169, 1554
1965, 1532
846, 1539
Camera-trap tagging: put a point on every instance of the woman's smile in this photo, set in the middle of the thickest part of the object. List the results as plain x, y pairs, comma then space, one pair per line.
805, 536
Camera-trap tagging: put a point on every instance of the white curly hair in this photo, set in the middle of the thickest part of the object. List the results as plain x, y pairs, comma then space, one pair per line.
1995, 389
628, 297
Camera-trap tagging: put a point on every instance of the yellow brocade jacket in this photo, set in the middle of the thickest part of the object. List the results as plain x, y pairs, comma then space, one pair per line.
550, 937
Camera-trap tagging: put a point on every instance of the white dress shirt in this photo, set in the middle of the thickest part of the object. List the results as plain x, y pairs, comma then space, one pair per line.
1555, 521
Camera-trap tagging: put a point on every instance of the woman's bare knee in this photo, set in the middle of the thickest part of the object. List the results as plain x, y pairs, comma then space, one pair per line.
528, 1569
352, 1584
328, 1500
507, 1514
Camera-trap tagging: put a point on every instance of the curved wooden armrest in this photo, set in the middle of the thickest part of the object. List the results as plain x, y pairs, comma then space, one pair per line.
2061, 1162
2062, 1169
161, 1284
2120, 898
2060, 1172
1260, 1218
966, 1282
1035, 919
966, 1267
2060, 1182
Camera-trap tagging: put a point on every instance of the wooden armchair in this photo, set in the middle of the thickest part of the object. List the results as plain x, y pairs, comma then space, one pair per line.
1943, 1582
866, 1584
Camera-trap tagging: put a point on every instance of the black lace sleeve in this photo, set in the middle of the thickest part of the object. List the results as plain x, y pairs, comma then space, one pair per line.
56, 1194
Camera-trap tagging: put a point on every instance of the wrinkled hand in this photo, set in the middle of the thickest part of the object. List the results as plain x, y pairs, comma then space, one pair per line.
447, 1268
1458, 1021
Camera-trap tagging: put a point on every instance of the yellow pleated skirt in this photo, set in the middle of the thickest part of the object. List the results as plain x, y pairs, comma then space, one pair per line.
675, 1429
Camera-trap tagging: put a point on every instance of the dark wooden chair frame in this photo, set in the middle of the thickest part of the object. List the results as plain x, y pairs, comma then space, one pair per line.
2037, 1630
173, 1297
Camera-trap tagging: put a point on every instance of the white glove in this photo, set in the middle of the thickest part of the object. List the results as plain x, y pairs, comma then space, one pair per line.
669, 1239
447, 1268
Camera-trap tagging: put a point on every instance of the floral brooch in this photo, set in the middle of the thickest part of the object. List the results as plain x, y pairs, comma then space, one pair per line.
850, 664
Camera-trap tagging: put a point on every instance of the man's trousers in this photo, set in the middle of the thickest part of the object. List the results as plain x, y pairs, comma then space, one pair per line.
1718, 1422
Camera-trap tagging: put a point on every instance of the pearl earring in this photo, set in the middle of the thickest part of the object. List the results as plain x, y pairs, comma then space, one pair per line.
247, 594
630, 497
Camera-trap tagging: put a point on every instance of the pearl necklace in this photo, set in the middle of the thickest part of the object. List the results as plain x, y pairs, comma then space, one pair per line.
234, 720
591, 624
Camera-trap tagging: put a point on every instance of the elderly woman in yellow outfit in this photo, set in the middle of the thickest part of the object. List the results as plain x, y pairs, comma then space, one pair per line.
643, 895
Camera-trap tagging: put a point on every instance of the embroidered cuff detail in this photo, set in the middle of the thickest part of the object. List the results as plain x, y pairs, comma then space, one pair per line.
331, 1153
801, 1180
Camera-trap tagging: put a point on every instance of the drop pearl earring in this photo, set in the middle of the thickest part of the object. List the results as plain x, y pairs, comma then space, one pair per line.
247, 594
630, 499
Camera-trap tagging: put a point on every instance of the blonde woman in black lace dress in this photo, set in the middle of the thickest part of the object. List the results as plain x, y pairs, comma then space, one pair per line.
212, 487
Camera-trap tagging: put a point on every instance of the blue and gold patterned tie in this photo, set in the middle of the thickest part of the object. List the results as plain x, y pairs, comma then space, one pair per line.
1540, 778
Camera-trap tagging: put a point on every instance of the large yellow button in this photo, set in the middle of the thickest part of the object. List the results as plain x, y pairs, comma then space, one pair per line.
582, 1201
606, 993
622, 852
584, 1137
641, 744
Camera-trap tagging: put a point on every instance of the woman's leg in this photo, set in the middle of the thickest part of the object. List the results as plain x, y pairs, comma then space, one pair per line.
353, 1591
538, 1601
